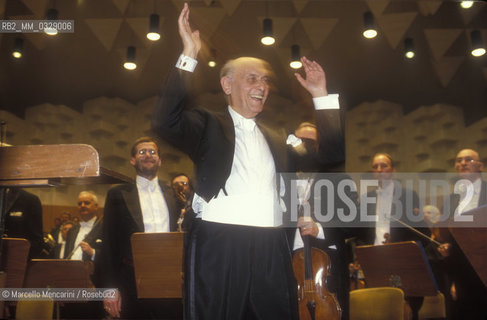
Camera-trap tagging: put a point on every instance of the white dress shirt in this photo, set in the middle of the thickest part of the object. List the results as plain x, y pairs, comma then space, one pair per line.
155, 213
251, 196
383, 211
468, 202
84, 229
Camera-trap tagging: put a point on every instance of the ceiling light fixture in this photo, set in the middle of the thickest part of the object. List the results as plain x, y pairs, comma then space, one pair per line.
52, 15
130, 60
295, 57
478, 48
18, 47
466, 4
153, 33
212, 60
370, 30
267, 33
409, 48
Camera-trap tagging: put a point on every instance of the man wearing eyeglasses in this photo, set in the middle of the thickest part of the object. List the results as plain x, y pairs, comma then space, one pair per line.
467, 289
146, 206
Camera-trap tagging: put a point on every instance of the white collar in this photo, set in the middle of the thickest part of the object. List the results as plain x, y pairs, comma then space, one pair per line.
240, 121
88, 223
146, 184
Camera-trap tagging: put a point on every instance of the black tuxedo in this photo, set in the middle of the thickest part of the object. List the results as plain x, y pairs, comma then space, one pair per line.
122, 218
91, 309
471, 292
23, 219
209, 140
93, 238
398, 232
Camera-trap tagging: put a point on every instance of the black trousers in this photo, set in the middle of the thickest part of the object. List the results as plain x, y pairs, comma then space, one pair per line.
238, 272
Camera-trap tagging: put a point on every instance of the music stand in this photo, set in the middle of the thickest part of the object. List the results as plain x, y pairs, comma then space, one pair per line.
401, 264
52, 165
158, 261
57, 273
14, 262
473, 241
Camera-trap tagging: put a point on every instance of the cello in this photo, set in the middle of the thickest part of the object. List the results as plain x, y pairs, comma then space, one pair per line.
311, 267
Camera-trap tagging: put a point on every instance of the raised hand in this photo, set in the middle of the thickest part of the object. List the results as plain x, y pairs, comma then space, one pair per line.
315, 81
191, 39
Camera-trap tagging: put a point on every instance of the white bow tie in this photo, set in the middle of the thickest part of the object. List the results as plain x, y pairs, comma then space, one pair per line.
247, 124
149, 185
84, 224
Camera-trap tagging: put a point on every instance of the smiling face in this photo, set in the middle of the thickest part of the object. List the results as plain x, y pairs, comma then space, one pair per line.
247, 85
146, 160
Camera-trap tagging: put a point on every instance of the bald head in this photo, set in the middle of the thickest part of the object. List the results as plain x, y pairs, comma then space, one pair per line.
87, 205
246, 83
468, 164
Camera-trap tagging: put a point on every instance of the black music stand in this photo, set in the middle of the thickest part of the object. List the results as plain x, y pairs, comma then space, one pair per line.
401, 264
473, 241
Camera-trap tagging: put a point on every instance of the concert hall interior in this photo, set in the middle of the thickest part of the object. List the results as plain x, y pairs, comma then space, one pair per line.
72, 88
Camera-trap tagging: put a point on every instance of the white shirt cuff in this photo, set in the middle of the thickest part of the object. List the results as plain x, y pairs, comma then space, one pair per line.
327, 102
321, 233
186, 63
293, 140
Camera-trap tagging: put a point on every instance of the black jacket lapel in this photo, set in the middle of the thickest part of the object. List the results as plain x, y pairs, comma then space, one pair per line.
131, 198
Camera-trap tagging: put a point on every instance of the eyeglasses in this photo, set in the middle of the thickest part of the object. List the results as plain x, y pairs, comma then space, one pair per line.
466, 159
152, 152
181, 183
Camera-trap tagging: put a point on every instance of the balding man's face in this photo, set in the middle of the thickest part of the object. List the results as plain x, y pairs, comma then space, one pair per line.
87, 206
382, 167
467, 164
248, 87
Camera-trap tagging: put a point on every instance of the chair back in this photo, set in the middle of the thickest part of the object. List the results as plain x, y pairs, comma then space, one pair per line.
386, 303
34, 310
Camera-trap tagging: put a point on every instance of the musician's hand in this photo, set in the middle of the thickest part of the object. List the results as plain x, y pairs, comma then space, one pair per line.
354, 266
113, 306
308, 227
85, 246
444, 249
191, 39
